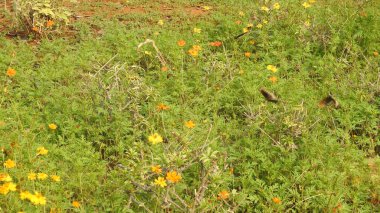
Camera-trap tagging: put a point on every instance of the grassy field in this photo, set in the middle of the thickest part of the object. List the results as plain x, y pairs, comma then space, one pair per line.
190, 106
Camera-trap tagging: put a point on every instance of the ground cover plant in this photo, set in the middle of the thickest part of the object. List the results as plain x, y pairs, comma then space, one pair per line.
190, 106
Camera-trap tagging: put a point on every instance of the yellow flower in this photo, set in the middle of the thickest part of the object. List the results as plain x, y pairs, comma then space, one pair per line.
42, 151
55, 178
223, 195
252, 42
155, 138
259, 26
245, 30
197, 30
276, 6
206, 8
264, 8
160, 22
76, 204
4, 189
11, 72
190, 124
160, 181
193, 52
156, 169
375, 53
265, 21
37, 199
173, 177
249, 25
11, 186
197, 47
5, 177
307, 23
42, 176
241, 13
53, 126
306, 5
9, 164
32, 176
272, 68
25, 195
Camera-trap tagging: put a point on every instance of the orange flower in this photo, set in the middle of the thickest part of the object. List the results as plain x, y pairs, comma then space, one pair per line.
76, 204
276, 200
162, 106
216, 44
11, 72
248, 54
164, 69
181, 43
35, 29
273, 79
223, 195
173, 177
238, 22
376, 53
49, 23
190, 124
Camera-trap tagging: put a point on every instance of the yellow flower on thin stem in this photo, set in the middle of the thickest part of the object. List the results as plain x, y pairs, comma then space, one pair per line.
306, 5
160, 22
160, 181
42, 151
41, 176
32, 176
190, 124
9, 164
53, 126
276, 6
5, 177
197, 30
38, 199
55, 178
272, 68
264, 8
156, 169
155, 138
76, 204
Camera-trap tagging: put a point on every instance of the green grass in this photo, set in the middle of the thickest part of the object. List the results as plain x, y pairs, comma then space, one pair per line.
103, 92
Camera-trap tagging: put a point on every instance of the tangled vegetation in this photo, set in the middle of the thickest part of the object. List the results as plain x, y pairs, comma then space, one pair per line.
190, 106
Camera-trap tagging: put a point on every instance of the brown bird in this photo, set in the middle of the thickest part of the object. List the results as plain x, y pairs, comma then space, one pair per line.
268, 95
329, 100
